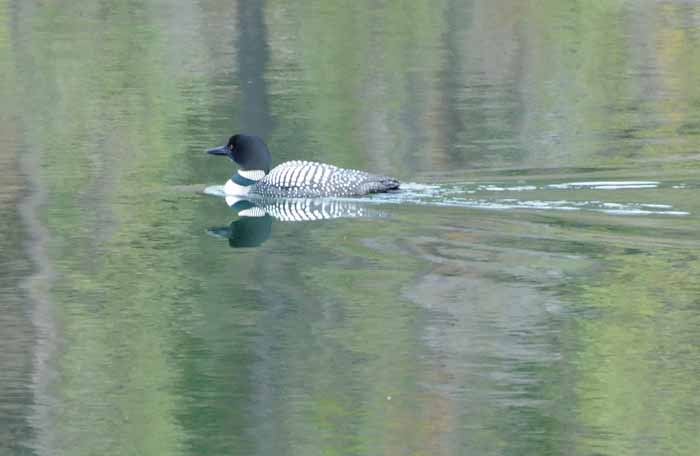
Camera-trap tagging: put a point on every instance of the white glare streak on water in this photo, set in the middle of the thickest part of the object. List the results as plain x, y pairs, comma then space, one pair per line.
602, 185
449, 195
455, 195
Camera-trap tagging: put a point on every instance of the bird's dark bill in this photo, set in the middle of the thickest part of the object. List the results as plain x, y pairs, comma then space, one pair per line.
223, 150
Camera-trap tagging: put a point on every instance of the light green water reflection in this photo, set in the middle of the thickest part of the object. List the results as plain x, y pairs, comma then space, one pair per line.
434, 329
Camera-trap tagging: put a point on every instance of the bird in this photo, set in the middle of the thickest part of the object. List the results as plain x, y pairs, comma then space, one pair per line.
292, 179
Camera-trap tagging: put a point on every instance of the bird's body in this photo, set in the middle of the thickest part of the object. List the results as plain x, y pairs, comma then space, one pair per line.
304, 179
293, 179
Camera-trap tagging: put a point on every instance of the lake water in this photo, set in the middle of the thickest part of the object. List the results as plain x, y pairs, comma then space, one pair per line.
533, 290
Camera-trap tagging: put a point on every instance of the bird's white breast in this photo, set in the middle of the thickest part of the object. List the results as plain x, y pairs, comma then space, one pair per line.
232, 188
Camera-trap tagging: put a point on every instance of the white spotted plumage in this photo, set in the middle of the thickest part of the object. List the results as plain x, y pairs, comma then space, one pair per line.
304, 179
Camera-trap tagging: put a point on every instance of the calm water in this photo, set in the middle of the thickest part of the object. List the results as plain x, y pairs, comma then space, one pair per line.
532, 291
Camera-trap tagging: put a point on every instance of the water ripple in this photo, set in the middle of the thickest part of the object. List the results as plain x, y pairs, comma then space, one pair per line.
475, 195
548, 197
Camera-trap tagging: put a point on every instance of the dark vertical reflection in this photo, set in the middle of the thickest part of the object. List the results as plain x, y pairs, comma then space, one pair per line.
17, 331
253, 55
451, 80
254, 117
480, 110
228, 378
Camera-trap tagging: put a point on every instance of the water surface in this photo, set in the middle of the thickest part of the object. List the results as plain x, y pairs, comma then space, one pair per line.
532, 289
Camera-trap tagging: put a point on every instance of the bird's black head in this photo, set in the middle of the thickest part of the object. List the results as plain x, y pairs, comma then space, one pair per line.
250, 152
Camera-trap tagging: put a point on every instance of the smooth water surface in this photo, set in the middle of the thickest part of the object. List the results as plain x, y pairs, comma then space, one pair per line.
533, 289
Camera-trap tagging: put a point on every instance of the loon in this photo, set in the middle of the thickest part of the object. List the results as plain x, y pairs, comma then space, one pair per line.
292, 179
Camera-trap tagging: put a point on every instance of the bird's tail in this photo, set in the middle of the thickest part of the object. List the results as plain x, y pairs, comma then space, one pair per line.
383, 184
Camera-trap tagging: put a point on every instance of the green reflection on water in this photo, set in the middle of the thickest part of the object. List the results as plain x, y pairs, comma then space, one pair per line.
640, 356
433, 330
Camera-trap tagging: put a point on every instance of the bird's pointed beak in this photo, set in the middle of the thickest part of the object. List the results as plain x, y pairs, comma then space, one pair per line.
223, 150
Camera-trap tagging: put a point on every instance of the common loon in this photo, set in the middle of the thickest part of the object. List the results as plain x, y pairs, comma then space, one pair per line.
292, 179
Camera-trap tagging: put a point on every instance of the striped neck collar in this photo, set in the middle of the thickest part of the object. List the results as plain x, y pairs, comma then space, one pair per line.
242, 180
247, 178
252, 174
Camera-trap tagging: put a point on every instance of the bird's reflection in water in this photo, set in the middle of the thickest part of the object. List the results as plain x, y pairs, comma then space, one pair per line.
254, 225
